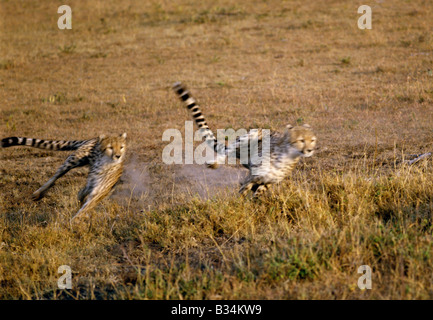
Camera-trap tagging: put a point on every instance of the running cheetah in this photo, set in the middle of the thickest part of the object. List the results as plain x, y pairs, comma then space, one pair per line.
104, 155
286, 148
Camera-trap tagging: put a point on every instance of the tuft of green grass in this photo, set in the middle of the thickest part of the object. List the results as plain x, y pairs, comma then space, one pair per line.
346, 60
7, 65
67, 49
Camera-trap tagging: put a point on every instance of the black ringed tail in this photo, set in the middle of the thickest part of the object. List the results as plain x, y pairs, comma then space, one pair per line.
196, 113
55, 145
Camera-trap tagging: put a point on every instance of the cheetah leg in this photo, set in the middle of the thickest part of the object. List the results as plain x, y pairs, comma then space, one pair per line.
246, 186
214, 164
260, 189
70, 163
92, 194
91, 201
82, 194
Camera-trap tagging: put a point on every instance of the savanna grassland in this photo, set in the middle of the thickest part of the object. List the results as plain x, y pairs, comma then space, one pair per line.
182, 232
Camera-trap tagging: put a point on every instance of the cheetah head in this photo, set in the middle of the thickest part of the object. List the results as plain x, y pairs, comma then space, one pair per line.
303, 139
113, 147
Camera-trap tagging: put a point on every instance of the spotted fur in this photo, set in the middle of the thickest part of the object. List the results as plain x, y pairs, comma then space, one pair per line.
104, 155
286, 148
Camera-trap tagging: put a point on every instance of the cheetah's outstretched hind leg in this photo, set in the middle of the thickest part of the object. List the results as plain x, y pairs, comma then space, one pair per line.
71, 162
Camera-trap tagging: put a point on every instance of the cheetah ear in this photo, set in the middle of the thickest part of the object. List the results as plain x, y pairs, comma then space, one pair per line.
123, 135
289, 127
102, 137
306, 125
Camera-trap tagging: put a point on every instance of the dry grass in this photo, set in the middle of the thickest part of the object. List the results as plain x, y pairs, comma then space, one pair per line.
165, 234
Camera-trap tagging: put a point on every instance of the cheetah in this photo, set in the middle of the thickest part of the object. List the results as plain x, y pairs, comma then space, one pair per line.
285, 149
104, 155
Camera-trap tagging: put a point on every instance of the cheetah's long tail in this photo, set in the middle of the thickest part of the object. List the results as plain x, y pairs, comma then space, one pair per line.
198, 117
57, 145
